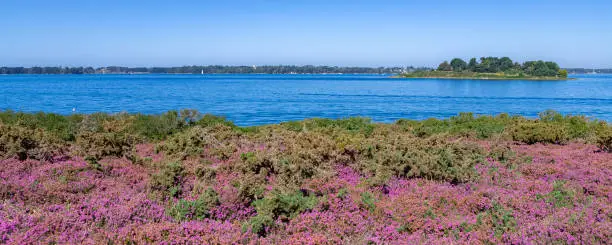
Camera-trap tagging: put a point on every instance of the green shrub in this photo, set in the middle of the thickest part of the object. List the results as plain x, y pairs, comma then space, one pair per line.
209, 120
368, 201
63, 127
411, 157
194, 140
157, 127
198, 209
501, 220
560, 196
26, 143
464, 124
532, 132
102, 135
304, 156
99, 145
285, 205
353, 125
604, 139
501, 152
169, 180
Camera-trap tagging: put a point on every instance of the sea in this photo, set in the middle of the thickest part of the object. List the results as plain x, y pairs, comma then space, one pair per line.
257, 99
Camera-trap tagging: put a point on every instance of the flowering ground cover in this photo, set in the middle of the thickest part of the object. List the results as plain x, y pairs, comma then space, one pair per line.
191, 179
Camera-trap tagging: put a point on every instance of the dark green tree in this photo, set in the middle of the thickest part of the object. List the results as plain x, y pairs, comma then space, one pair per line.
445, 66
472, 65
458, 64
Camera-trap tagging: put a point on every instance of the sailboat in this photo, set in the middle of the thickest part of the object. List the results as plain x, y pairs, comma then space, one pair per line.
202, 71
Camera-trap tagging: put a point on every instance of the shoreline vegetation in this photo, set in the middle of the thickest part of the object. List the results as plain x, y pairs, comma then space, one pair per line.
210, 69
492, 68
183, 177
218, 69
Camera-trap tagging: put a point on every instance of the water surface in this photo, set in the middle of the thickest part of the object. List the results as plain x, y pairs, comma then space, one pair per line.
261, 99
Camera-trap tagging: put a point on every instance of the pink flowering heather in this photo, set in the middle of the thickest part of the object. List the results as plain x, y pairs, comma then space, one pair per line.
543, 194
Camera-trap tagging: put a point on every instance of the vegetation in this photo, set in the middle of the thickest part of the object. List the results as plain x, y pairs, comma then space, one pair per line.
188, 178
494, 68
212, 69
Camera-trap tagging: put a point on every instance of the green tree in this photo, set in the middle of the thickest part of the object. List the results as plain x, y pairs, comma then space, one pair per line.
505, 64
458, 64
472, 65
445, 66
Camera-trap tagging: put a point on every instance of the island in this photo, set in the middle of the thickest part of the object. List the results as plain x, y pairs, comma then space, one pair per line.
492, 68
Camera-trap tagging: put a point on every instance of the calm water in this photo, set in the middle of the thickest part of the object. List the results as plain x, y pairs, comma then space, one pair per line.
262, 99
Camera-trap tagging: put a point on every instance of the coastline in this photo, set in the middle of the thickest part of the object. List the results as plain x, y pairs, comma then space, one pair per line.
487, 78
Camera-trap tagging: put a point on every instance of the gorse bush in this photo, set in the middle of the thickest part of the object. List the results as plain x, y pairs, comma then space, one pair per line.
102, 135
410, 157
169, 179
353, 125
531, 132
198, 209
279, 205
305, 155
63, 127
604, 139
158, 127
193, 141
465, 124
28, 143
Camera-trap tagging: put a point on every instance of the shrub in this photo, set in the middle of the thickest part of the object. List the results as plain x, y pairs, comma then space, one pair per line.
102, 135
498, 219
194, 140
410, 157
198, 209
209, 120
560, 196
352, 125
99, 145
157, 127
604, 139
63, 127
169, 179
464, 124
532, 132
27, 143
305, 155
284, 205
368, 201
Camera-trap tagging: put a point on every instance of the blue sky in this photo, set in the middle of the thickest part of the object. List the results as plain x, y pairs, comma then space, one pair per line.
361, 33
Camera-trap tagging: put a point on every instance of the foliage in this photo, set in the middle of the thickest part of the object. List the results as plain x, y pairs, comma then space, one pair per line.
537, 132
462, 180
211, 69
169, 179
194, 140
27, 143
494, 67
63, 127
410, 157
445, 66
199, 209
458, 64
604, 139
279, 205
560, 196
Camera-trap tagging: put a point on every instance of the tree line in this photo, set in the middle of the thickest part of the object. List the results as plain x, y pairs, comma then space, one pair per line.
211, 69
505, 65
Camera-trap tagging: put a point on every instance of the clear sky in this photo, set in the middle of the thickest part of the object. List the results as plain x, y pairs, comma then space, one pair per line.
318, 32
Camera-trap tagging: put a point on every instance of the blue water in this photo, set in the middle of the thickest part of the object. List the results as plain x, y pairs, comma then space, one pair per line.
262, 99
